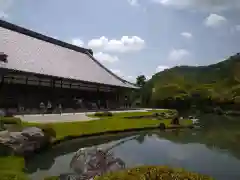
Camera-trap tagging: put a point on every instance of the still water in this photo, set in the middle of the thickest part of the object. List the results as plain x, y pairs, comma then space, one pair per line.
212, 150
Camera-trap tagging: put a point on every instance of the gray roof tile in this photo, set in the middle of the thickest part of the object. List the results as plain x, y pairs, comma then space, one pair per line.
29, 54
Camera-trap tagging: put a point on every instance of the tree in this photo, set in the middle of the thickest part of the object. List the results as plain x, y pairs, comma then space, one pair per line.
141, 80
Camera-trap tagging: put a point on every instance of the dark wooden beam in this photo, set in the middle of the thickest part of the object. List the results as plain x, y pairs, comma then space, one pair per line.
26, 80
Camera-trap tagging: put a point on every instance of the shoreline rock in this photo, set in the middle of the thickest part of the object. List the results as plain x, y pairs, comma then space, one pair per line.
25, 142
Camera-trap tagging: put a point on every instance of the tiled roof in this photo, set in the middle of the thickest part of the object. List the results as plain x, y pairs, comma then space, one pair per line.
29, 51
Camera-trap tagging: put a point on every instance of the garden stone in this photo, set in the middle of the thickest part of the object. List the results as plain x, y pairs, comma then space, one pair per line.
90, 162
26, 141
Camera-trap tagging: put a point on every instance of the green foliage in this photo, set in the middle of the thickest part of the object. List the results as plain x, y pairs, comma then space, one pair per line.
103, 114
141, 80
11, 120
115, 123
153, 173
185, 86
48, 130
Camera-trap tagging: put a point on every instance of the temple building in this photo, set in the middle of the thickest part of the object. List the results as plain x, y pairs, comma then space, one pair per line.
35, 68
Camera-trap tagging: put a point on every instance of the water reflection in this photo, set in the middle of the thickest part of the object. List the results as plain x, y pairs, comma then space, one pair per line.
90, 162
213, 150
50, 157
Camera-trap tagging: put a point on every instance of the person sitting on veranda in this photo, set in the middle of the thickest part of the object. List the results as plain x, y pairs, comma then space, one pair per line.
49, 107
60, 108
20, 108
42, 107
99, 104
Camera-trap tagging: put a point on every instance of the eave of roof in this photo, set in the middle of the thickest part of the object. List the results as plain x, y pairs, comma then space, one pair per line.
27, 32
51, 40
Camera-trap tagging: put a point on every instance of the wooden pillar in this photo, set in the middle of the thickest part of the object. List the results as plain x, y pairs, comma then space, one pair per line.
25, 97
53, 82
118, 103
98, 98
1, 89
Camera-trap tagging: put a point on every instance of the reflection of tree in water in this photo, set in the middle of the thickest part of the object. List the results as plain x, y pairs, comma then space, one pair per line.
176, 132
35, 163
140, 139
90, 162
217, 133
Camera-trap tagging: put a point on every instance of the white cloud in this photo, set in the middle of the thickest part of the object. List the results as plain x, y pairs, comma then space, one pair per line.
125, 44
77, 42
178, 54
133, 2
130, 77
148, 77
214, 20
123, 75
203, 5
4, 7
238, 27
186, 35
161, 68
117, 72
3, 15
104, 57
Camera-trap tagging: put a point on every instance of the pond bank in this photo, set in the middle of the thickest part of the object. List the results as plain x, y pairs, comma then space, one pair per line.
103, 126
71, 117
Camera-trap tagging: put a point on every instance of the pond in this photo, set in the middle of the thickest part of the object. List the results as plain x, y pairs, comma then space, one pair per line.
212, 150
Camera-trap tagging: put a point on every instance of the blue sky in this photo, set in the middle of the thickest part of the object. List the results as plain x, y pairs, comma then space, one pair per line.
133, 37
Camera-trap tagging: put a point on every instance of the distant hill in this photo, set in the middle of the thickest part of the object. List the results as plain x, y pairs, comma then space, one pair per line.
218, 83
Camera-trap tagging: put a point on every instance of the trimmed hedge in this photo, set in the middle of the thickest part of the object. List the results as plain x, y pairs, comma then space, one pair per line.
103, 114
153, 173
48, 130
11, 120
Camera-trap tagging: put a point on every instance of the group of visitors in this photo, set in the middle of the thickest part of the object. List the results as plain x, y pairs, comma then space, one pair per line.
75, 104
48, 108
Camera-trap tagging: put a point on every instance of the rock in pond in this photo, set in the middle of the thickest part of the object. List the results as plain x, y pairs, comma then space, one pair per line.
162, 126
25, 142
88, 163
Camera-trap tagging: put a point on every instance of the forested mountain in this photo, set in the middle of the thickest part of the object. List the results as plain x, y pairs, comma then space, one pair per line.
184, 86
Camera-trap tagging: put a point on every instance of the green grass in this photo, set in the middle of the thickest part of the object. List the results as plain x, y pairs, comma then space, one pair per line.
114, 123
97, 126
11, 167
11, 163
153, 173
129, 114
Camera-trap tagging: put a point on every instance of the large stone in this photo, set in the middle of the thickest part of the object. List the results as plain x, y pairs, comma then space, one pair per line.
90, 162
25, 142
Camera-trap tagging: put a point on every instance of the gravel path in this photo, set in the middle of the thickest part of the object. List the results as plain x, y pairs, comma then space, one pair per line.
68, 117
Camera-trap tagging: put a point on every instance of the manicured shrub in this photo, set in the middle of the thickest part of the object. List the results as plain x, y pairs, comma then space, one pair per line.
48, 130
103, 114
11, 120
153, 173
175, 121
